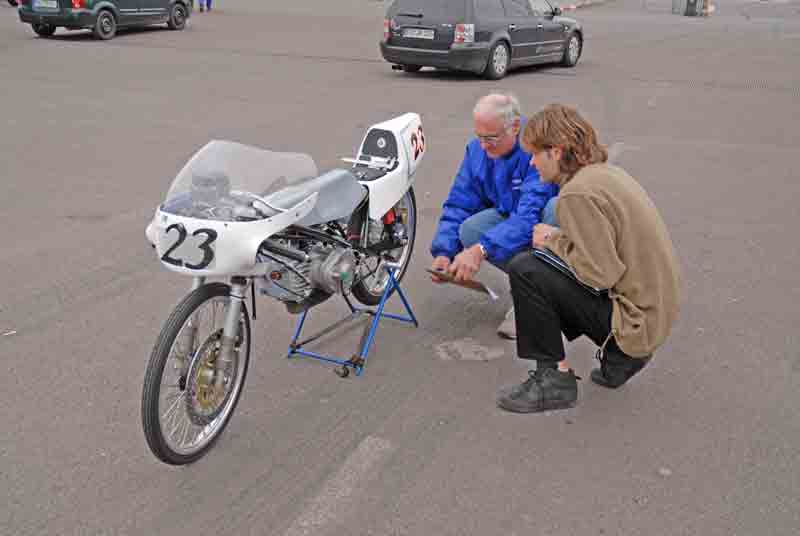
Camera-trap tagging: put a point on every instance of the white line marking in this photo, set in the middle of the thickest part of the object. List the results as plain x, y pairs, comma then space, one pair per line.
9, 333
336, 496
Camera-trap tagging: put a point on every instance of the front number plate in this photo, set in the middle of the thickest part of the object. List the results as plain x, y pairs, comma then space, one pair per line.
418, 33
193, 250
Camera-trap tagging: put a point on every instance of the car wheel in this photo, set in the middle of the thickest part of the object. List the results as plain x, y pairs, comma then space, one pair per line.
105, 27
44, 30
573, 51
499, 58
412, 68
177, 17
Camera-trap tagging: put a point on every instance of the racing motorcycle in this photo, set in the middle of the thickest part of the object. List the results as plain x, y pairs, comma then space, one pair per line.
266, 223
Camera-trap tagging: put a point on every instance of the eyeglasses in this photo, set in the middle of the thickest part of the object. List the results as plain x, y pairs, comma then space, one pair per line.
493, 139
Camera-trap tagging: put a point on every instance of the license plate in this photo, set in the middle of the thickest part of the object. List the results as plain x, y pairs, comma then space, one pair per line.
45, 4
418, 33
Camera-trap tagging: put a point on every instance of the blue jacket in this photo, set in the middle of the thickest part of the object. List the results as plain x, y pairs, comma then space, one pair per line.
510, 185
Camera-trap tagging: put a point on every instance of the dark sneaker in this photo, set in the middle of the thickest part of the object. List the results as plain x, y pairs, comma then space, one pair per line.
545, 389
616, 368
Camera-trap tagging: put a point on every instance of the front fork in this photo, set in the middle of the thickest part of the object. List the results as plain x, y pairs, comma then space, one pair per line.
190, 331
230, 331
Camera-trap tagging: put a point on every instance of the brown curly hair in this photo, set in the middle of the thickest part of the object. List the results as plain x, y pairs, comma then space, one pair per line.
561, 126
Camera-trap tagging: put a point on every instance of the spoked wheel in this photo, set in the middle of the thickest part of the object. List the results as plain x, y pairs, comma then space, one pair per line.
401, 221
184, 407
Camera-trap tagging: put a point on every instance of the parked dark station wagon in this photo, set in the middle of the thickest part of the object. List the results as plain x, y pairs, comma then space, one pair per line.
103, 17
487, 37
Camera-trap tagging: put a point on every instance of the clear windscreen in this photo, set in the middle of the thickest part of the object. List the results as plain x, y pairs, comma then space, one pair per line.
229, 181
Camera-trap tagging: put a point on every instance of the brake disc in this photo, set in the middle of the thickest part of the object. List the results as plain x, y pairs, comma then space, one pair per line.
204, 400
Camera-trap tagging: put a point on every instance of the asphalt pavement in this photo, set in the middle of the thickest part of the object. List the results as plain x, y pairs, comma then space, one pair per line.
703, 111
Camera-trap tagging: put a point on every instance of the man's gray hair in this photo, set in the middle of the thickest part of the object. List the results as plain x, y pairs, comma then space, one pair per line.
500, 104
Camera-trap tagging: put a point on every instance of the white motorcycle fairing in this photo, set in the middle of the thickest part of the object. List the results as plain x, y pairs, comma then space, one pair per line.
200, 247
217, 212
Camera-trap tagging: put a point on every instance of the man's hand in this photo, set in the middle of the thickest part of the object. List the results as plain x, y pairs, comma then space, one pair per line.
541, 233
440, 264
466, 264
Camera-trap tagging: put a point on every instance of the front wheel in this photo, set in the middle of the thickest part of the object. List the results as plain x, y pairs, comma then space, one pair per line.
399, 224
177, 17
44, 30
185, 406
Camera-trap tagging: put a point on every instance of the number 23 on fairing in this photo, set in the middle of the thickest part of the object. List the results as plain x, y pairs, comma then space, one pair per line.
193, 250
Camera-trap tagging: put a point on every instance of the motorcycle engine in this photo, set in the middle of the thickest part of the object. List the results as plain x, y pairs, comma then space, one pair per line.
330, 270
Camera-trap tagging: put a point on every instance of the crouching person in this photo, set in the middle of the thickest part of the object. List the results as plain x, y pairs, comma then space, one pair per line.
612, 236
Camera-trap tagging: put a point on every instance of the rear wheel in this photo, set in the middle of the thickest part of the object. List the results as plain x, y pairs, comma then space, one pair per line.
499, 58
44, 30
372, 278
573, 51
105, 27
186, 405
177, 17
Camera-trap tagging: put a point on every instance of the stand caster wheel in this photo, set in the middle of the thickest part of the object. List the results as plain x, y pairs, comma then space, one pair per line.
343, 371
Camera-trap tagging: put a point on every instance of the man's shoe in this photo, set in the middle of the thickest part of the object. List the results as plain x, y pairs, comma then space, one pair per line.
508, 329
617, 368
544, 390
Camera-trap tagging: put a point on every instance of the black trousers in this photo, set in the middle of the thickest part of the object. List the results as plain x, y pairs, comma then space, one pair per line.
548, 303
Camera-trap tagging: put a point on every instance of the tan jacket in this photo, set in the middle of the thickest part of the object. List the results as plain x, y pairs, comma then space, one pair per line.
612, 235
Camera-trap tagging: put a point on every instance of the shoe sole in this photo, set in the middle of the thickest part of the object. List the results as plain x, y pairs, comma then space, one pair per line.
549, 406
603, 383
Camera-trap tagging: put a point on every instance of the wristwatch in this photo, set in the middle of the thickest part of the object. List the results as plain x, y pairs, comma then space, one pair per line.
483, 250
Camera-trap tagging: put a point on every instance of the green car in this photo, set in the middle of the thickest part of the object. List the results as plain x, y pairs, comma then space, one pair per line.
103, 17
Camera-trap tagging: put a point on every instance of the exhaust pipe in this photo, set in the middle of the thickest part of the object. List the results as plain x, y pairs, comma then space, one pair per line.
396, 67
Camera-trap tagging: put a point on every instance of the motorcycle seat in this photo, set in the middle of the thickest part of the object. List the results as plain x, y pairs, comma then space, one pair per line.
339, 194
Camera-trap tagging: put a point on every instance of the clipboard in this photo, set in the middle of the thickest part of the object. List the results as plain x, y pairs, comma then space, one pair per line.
558, 263
471, 285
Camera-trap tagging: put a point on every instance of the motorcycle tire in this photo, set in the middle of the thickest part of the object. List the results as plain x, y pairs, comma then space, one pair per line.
156, 420
370, 294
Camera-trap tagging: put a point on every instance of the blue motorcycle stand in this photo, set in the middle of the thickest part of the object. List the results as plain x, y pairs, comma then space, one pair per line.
358, 361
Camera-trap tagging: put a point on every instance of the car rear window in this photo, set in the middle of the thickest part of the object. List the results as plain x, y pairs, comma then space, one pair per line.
432, 8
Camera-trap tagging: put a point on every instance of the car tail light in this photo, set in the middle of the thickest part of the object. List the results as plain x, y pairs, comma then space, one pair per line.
387, 29
465, 33
78, 4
